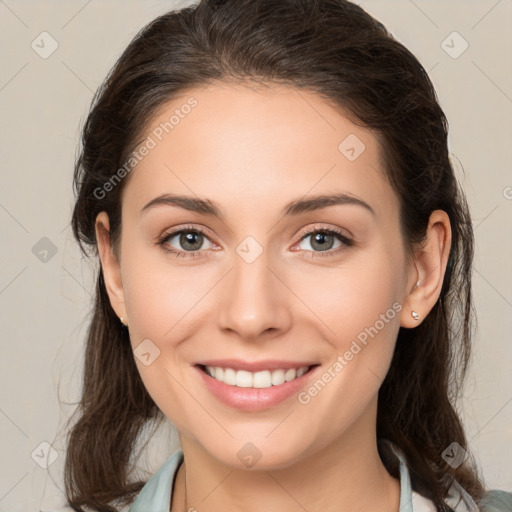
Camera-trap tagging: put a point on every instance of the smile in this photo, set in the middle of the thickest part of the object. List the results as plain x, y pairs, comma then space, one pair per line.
254, 391
261, 379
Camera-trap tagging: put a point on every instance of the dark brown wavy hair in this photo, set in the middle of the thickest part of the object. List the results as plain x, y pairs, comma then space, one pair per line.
338, 51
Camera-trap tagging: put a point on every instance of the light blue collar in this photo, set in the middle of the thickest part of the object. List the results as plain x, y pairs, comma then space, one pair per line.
156, 494
405, 482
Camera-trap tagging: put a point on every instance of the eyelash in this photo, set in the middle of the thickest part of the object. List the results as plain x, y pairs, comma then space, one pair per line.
162, 241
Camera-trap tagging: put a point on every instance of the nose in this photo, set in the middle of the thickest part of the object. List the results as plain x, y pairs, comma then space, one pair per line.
254, 299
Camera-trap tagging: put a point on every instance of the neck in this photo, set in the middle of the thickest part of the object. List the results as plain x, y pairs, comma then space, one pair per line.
346, 474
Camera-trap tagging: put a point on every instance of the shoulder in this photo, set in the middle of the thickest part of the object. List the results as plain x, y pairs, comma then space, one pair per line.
422, 504
457, 498
493, 501
154, 496
496, 501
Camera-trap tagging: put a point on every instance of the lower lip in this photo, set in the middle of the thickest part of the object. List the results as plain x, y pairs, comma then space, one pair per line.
254, 399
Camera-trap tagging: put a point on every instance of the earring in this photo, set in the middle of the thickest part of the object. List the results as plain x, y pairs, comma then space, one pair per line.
415, 315
122, 321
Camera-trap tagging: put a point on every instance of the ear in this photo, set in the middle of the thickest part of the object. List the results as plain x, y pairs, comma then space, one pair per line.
110, 266
427, 270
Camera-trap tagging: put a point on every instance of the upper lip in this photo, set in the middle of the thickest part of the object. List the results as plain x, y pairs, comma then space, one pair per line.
255, 366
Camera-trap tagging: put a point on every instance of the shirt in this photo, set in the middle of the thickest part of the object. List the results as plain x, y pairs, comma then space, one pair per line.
155, 496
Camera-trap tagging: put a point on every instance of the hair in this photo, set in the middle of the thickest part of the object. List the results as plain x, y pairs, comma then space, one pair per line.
338, 51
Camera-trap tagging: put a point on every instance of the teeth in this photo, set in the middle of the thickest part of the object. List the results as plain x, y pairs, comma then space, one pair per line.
263, 379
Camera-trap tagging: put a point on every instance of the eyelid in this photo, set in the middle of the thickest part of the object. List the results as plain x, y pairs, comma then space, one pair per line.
199, 228
324, 227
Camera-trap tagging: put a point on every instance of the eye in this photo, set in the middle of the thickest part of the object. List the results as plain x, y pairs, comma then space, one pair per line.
190, 240
323, 239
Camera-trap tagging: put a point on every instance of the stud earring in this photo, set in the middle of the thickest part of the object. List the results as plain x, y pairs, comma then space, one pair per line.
415, 315
122, 321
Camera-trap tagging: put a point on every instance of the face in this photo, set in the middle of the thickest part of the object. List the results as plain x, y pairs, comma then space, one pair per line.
264, 278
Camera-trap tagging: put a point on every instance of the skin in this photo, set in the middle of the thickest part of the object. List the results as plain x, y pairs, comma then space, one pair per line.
252, 150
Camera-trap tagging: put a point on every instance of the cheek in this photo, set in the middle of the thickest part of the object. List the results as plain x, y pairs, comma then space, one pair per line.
159, 294
358, 311
351, 298
357, 308
161, 300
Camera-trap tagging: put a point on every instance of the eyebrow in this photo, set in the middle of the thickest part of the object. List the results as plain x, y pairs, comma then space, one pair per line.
296, 207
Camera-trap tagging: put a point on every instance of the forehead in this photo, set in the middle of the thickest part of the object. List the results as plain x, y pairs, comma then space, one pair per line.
246, 145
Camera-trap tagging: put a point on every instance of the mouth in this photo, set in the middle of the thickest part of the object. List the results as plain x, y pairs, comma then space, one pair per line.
255, 391
255, 379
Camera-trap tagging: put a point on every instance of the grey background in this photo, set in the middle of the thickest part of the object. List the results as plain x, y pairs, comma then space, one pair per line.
45, 296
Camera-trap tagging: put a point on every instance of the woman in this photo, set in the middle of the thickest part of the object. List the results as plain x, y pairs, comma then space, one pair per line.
285, 270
